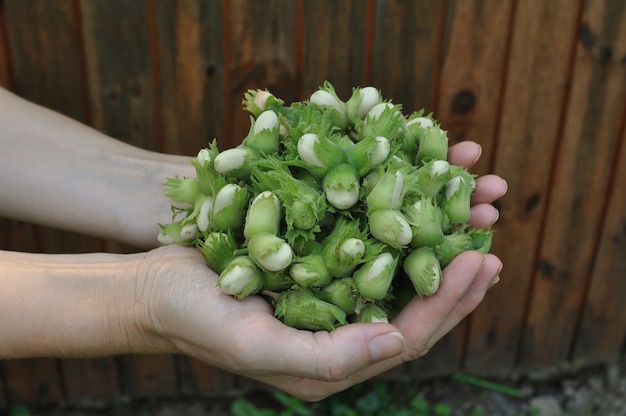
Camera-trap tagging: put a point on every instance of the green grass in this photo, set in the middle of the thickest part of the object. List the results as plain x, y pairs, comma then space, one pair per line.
379, 399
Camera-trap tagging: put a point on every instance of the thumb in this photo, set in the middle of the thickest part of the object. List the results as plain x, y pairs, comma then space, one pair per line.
333, 356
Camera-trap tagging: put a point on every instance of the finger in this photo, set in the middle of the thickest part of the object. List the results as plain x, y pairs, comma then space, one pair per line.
488, 189
483, 216
327, 356
464, 154
421, 319
452, 308
344, 357
488, 275
424, 321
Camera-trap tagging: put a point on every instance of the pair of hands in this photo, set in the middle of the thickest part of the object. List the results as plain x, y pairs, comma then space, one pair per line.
186, 310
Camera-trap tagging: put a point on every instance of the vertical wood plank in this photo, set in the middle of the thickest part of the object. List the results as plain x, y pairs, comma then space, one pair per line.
90, 381
471, 76
603, 328
536, 84
33, 381
192, 75
45, 55
262, 55
4, 400
210, 380
5, 73
119, 70
5, 234
579, 188
405, 68
148, 376
46, 58
407, 52
334, 45
467, 107
120, 77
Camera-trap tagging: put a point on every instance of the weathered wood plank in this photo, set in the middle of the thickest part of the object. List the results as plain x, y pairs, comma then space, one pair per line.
119, 70
590, 139
45, 55
536, 84
603, 328
33, 381
5, 65
148, 375
407, 52
261, 49
192, 75
405, 66
120, 75
474, 59
467, 107
90, 381
4, 403
334, 46
118, 57
208, 379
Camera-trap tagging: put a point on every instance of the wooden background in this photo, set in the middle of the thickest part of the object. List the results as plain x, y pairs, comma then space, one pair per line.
541, 85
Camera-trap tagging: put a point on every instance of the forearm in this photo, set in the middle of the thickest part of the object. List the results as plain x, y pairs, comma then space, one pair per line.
58, 172
83, 305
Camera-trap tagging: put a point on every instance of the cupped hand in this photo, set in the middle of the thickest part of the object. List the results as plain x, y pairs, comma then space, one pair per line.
243, 337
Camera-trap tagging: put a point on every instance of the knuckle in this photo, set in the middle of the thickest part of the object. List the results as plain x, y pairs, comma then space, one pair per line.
332, 370
416, 351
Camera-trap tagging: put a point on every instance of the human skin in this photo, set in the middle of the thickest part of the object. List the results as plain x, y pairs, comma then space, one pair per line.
60, 173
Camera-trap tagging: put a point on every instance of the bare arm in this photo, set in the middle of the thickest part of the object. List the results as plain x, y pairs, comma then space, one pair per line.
79, 305
58, 172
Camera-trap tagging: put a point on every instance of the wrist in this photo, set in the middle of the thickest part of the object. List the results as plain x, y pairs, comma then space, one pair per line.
83, 305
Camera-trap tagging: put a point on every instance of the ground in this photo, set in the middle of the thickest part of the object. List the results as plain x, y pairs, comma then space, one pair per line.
590, 392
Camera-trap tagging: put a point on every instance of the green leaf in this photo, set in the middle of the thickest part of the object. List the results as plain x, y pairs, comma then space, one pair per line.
243, 407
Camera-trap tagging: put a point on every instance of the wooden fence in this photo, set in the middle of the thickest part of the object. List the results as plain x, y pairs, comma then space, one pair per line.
541, 85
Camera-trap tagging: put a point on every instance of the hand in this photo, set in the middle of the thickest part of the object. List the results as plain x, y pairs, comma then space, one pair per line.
243, 337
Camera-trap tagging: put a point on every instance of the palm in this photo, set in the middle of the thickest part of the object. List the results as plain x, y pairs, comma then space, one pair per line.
242, 336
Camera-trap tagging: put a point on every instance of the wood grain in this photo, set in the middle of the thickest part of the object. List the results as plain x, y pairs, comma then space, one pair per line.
144, 376
407, 49
540, 85
208, 379
90, 382
190, 59
33, 381
261, 45
5, 67
579, 187
603, 326
528, 133
119, 48
472, 74
119, 70
334, 45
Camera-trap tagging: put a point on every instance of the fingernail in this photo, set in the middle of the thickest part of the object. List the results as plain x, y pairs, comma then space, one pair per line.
385, 346
506, 187
495, 220
496, 279
480, 152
